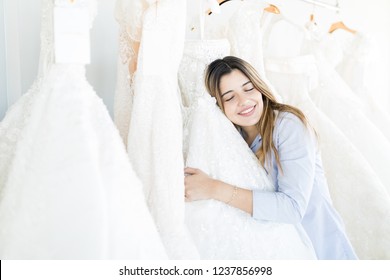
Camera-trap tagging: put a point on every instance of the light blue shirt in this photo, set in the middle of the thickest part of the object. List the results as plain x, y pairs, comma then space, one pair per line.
302, 193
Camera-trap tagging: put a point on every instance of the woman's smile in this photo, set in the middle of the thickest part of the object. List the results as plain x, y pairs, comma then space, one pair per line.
248, 111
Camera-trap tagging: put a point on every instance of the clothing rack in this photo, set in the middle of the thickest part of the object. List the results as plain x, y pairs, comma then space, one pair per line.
323, 4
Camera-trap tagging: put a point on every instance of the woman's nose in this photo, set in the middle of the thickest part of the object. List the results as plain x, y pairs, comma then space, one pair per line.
243, 101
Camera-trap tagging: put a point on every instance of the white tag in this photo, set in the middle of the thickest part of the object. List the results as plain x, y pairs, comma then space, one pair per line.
71, 35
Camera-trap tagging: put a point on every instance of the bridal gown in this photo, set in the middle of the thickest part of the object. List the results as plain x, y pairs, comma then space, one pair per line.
349, 55
333, 97
155, 136
129, 15
357, 192
67, 189
212, 144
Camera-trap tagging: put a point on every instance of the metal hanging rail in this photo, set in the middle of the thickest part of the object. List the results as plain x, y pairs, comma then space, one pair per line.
323, 4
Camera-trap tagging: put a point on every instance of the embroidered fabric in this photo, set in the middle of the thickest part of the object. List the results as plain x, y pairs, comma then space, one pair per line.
212, 144
155, 132
129, 15
67, 189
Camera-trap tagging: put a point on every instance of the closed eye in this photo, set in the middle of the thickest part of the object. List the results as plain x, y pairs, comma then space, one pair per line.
229, 98
249, 89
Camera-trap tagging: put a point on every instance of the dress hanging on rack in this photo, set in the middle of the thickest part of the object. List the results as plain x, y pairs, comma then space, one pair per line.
129, 17
156, 132
349, 54
351, 179
67, 189
335, 98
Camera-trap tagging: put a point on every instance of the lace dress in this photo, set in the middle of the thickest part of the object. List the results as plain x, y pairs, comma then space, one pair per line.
212, 144
129, 15
67, 189
156, 132
357, 192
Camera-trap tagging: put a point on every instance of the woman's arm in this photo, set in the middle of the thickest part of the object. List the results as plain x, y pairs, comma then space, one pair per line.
297, 151
296, 147
198, 186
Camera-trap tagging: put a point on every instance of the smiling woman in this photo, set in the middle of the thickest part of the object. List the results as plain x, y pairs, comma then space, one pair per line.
286, 147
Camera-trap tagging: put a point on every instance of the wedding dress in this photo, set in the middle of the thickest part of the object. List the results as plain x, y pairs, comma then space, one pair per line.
67, 189
349, 55
129, 15
357, 192
212, 144
333, 97
156, 132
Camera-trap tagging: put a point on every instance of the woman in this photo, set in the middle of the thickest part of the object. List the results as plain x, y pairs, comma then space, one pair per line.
286, 147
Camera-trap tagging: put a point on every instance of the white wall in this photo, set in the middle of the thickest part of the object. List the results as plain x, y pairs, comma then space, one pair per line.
22, 19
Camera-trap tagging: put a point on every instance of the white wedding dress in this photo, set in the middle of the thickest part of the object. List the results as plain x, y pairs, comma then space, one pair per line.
67, 189
349, 55
156, 131
333, 97
357, 192
212, 144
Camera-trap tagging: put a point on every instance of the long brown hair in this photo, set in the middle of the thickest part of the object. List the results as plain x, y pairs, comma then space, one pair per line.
265, 126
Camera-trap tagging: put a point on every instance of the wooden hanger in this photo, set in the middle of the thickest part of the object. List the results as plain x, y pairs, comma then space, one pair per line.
272, 9
340, 25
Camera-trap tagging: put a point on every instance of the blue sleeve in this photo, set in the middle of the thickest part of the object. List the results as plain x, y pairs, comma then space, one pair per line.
297, 152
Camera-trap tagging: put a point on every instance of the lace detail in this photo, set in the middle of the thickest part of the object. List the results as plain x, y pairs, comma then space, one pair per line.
212, 144
129, 15
207, 51
245, 34
46, 58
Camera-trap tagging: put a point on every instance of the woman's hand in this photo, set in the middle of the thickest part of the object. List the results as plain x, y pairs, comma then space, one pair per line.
198, 185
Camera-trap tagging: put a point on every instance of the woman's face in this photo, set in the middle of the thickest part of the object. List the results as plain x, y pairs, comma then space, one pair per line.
243, 103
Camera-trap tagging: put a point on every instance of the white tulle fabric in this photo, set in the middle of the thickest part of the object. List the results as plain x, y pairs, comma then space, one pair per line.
357, 192
212, 144
156, 134
67, 189
349, 54
333, 97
